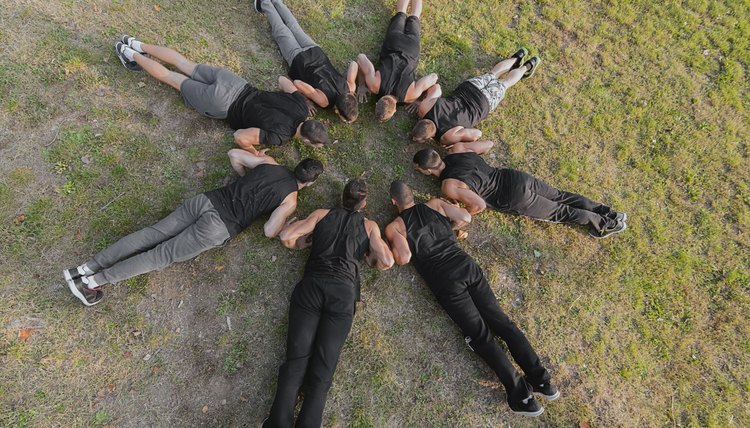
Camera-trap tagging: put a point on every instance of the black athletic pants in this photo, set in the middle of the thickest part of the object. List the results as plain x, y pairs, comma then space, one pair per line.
524, 194
472, 305
320, 317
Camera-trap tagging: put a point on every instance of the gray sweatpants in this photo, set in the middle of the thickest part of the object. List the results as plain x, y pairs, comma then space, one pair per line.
191, 229
285, 30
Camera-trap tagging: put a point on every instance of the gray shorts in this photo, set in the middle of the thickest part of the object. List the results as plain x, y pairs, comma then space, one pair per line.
211, 90
493, 89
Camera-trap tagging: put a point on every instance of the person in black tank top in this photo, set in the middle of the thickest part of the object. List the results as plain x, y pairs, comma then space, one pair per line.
467, 178
424, 235
451, 120
322, 303
309, 67
395, 81
201, 223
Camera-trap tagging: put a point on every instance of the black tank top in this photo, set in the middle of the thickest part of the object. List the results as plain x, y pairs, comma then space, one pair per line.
260, 191
466, 107
339, 243
435, 251
313, 67
481, 178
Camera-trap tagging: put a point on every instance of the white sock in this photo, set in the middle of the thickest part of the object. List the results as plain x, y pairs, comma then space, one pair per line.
136, 45
90, 282
84, 270
128, 53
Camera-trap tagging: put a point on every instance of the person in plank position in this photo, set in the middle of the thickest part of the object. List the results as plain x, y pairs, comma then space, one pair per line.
423, 234
395, 80
309, 67
322, 303
467, 178
201, 223
452, 119
259, 117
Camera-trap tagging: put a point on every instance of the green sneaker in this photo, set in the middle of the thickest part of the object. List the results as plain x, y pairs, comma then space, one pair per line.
534, 61
519, 56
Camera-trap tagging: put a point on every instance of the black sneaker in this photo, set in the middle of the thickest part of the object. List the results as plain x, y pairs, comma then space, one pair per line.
256, 3
528, 407
549, 392
127, 40
619, 226
534, 61
130, 65
83, 293
519, 56
71, 274
615, 215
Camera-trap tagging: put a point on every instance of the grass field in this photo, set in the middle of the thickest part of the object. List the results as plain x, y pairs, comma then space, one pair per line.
643, 105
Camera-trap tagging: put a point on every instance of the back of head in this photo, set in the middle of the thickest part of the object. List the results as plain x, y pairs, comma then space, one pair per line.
401, 193
355, 193
423, 131
385, 108
427, 159
315, 131
308, 170
348, 106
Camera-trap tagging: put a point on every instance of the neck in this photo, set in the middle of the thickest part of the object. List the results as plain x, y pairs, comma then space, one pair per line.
300, 185
437, 171
402, 208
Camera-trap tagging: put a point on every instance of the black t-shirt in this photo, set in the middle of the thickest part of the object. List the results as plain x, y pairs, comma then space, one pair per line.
339, 242
260, 191
313, 67
435, 251
399, 57
471, 169
466, 107
276, 114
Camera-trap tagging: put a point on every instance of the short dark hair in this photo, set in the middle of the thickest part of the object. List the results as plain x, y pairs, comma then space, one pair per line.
355, 192
348, 106
308, 170
401, 192
427, 159
423, 131
385, 108
314, 131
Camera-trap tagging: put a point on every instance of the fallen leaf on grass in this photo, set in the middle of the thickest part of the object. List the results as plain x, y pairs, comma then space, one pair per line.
25, 333
242, 397
204, 409
219, 268
157, 7
78, 235
154, 370
141, 85
584, 424
127, 354
19, 219
111, 387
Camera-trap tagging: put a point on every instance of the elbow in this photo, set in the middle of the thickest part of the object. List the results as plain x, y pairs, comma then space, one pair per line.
386, 263
402, 259
269, 232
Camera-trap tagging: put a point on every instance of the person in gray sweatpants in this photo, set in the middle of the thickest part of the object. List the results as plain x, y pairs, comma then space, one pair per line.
201, 223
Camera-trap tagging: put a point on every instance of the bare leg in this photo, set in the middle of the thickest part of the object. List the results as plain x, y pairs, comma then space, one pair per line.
513, 77
416, 8
402, 5
159, 72
170, 56
503, 67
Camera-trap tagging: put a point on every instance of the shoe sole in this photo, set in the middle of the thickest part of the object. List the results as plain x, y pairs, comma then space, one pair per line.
66, 275
73, 289
552, 397
529, 414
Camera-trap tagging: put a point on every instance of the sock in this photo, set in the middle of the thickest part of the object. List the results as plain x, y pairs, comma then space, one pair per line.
136, 45
128, 53
90, 282
84, 270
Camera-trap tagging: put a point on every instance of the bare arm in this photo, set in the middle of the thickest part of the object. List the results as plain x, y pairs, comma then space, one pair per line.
242, 159
460, 192
314, 95
478, 147
368, 78
420, 86
299, 228
351, 76
459, 134
278, 217
395, 232
287, 85
247, 138
429, 100
458, 216
379, 255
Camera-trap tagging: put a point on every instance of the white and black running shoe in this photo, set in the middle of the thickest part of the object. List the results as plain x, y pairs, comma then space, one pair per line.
619, 226
528, 407
130, 65
128, 41
71, 274
619, 216
87, 296
547, 390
